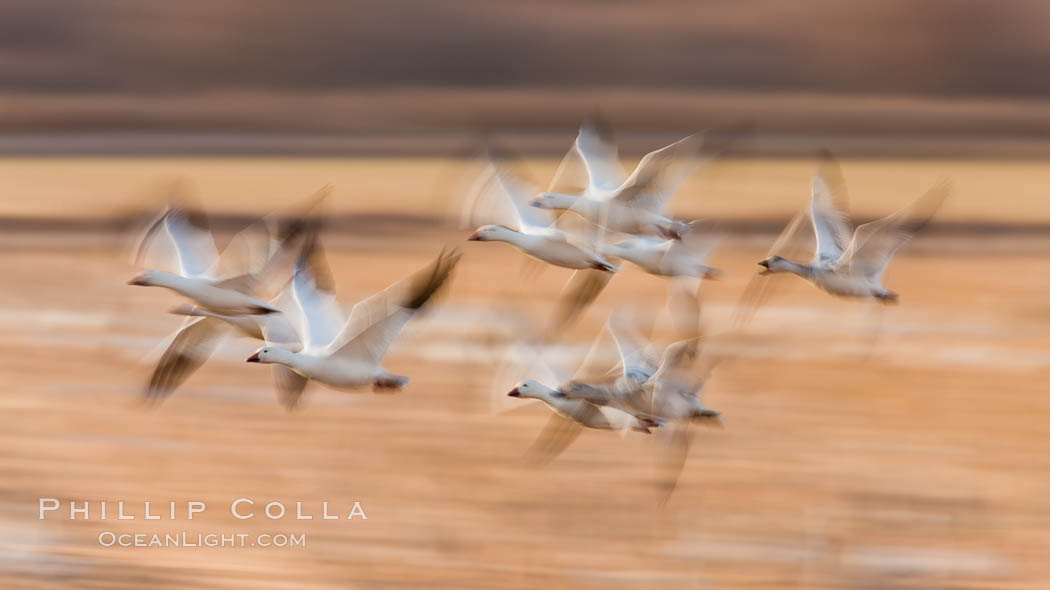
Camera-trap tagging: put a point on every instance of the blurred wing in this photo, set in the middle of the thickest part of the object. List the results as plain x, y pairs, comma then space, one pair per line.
597, 149
499, 197
245, 253
875, 243
290, 386
191, 347
631, 345
557, 435
792, 242
677, 367
194, 243
829, 210
681, 438
313, 289
789, 244
683, 302
660, 173
286, 233
579, 293
280, 328
570, 178
598, 363
373, 341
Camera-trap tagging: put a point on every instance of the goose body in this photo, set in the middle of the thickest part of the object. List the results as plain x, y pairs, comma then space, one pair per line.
205, 292
349, 357
611, 214
656, 393
199, 263
499, 196
663, 257
619, 202
550, 246
580, 411
847, 262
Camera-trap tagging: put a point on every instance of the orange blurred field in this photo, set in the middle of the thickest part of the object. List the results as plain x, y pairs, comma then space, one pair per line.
918, 460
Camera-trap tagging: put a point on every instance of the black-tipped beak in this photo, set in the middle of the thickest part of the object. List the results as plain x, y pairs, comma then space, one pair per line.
252, 359
764, 264
514, 393
138, 281
474, 237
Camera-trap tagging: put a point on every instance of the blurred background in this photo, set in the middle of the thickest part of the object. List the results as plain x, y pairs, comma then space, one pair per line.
914, 462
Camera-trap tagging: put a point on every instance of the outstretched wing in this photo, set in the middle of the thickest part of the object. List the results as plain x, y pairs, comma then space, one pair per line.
500, 197
683, 303
193, 241
268, 249
633, 347
583, 288
660, 173
789, 244
677, 369
191, 347
189, 234
371, 343
875, 243
314, 291
829, 211
593, 162
290, 386
557, 435
681, 437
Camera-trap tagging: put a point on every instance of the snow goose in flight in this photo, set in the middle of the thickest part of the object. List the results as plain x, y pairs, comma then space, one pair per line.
501, 199
666, 393
200, 265
851, 263
661, 392
346, 354
605, 194
569, 416
267, 248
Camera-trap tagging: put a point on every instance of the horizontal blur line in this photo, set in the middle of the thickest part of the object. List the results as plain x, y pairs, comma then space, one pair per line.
469, 144
382, 223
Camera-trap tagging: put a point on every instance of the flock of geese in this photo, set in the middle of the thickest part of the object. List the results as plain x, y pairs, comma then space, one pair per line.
272, 283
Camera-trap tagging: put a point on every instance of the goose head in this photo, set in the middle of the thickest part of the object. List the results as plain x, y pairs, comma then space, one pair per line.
775, 264
530, 389
489, 233
267, 355
553, 201
149, 278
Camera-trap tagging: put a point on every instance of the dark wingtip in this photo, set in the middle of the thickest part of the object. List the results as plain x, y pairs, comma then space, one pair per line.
429, 281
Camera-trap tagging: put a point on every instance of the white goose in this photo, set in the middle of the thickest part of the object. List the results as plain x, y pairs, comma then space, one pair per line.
569, 416
263, 254
683, 257
199, 265
845, 266
502, 200
668, 391
607, 195
666, 394
347, 354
